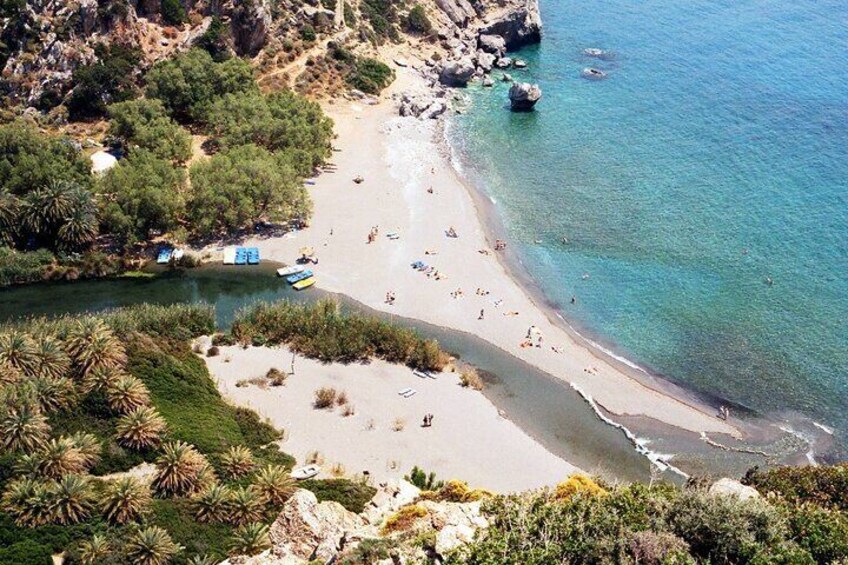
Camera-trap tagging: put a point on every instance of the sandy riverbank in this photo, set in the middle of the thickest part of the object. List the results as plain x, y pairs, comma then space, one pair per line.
467, 440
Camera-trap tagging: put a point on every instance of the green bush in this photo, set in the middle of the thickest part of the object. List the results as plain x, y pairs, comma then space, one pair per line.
370, 76
177, 517
173, 12
108, 80
307, 33
19, 267
417, 20
350, 494
824, 485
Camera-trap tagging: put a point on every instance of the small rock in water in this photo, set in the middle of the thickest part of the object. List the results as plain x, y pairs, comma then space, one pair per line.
519, 63
487, 81
593, 74
506, 77
503, 63
523, 96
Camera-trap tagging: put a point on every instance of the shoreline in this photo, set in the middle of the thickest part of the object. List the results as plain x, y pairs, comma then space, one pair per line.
396, 198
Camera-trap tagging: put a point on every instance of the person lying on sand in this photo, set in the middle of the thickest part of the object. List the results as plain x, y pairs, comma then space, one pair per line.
483, 251
430, 252
514, 313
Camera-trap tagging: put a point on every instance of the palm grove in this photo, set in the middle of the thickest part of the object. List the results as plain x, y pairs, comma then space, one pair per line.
263, 146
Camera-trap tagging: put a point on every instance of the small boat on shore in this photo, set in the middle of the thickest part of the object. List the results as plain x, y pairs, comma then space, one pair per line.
304, 284
292, 270
164, 256
297, 277
305, 472
230, 256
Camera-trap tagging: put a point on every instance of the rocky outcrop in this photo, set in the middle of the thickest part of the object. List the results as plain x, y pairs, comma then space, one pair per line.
519, 27
523, 96
730, 487
421, 106
457, 73
250, 24
494, 44
455, 523
309, 530
485, 61
459, 12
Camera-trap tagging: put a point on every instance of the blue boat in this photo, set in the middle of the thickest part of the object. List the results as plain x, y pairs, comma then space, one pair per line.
291, 279
253, 255
164, 256
241, 256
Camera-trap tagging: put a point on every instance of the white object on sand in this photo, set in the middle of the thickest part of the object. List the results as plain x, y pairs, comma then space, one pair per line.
405, 391
230, 256
102, 161
412, 392
305, 472
292, 270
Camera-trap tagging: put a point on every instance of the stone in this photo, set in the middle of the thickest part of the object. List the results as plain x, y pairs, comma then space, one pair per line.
309, 530
389, 498
487, 81
458, 11
485, 61
506, 77
249, 24
523, 96
730, 487
493, 44
519, 27
503, 63
457, 73
400, 62
519, 64
455, 523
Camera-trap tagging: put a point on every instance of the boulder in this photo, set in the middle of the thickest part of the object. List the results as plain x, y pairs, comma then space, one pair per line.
309, 530
458, 11
389, 498
493, 44
523, 96
506, 77
487, 81
455, 523
250, 22
88, 16
730, 487
519, 27
504, 63
457, 73
485, 61
421, 106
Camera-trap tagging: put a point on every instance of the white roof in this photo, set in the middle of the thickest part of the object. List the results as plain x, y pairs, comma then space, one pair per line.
102, 161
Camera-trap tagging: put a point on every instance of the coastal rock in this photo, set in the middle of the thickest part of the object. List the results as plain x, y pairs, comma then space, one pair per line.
730, 487
485, 61
458, 11
523, 96
591, 73
504, 63
455, 523
251, 20
457, 73
487, 81
421, 106
519, 27
308, 530
389, 498
493, 44
506, 77
519, 64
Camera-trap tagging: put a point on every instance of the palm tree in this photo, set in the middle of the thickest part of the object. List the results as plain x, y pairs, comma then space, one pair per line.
237, 462
202, 560
94, 550
59, 457
212, 504
275, 484
140, 429
126, 499
92, 345
250, 539
22, 428
179, 470
51, 359
100, 378
126, 394
73, 500
48, 206
9, 209
19, 350
53, 394
89, 448
80, 226
9, 374
246, 505
28, 501
151, 546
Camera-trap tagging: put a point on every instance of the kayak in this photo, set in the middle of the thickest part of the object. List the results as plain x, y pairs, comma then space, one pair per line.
305, 283
293, 270
297, 277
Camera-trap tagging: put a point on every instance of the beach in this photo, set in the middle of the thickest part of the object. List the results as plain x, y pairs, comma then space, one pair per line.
467, 439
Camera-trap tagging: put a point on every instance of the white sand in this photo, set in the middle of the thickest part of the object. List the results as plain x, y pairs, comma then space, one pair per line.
399, 159
468, 439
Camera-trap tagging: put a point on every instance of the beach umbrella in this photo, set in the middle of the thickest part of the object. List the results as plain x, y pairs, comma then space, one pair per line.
307, 251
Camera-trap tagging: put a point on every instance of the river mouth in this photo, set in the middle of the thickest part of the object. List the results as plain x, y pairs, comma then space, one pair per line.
545, 407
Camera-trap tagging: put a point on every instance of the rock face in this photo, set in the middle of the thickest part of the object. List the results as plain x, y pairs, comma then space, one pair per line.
458, 11
457, 73
421, 106
250, 22
309, 530
523, 96
494, 44
485, 61
522, 26
729, 487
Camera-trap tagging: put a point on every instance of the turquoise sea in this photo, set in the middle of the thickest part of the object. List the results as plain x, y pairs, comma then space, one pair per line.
713, 159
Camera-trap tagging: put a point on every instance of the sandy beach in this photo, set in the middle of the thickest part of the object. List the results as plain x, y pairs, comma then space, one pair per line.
467, 440
401, 160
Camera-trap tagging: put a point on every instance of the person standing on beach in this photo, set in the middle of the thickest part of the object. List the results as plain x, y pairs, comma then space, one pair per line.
482, 312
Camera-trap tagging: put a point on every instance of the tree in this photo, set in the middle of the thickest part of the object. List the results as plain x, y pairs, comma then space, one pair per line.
140, 429
9, 209
213, 40
179, 470
72, 500
59, 457
275, 484
238, 187
212, 505
370, 75
107, 80
28, 501
18, 350
145, 124
127, 394
151, 546
250, 539
60, 215
237, 462
246, 505
173, 12
30, 160
94, 550
144, 193
53, 393
282, 122
22, 428
126, 500
92, 345
191, 81
51, 359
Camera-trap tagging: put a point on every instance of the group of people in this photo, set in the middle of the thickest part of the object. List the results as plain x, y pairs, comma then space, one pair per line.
451, 232
481, 292
428, 420
372, 235
390, 298
500, 245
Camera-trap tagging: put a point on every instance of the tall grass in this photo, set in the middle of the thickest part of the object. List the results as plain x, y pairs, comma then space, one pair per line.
324, 332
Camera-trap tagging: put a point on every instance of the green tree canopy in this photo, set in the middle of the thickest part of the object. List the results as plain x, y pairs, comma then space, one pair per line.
142, 192
107, 80
144, 124
30, 159
242, 185
191, 81
283, 122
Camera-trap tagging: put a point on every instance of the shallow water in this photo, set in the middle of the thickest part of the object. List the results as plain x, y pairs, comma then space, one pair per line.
713, 158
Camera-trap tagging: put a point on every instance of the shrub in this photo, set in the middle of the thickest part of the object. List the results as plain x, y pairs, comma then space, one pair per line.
173, 12
370, 76
578, 484
456, 491
107, 80
350, 494
398, 424
417, 20
823, 485
422, 480
276, 377
325, 397
403, 519
213, 351
470, 378
307, 33
146, 125
213, 40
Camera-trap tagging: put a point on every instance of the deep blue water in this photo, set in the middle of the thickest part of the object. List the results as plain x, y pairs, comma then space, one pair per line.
714, 157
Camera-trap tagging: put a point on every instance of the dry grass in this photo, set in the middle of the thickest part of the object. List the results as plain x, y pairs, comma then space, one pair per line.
398, 424
348, 410
341, 399
314, 458
325, 397
404, 519
338, 470
276, 377
261, 382
470, 378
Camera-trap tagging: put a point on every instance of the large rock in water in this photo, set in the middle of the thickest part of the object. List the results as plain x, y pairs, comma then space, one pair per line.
457, 73
251, 20
493, 44
520, 27
523, 96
